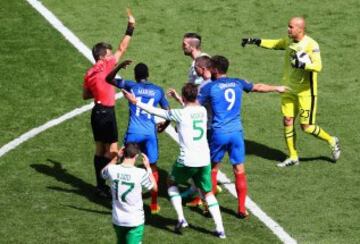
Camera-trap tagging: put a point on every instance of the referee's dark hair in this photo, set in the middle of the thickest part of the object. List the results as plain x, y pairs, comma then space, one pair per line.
99, 50
141, 72
131, 150
220, 63
192, 35
190, 92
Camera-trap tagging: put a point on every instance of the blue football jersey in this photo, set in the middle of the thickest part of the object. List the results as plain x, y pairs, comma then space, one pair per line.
141, 122
224, 96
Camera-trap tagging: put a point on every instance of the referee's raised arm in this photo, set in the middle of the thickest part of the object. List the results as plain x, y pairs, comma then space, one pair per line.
123, 45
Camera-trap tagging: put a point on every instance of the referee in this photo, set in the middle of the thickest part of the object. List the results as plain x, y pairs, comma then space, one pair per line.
103, 120
301, 76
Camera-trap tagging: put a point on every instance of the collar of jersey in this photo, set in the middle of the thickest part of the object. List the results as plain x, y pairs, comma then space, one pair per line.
144, 82
127, 166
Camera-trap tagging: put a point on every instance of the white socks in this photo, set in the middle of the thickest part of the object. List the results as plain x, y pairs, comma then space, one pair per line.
175, 199
215, 212
213, 206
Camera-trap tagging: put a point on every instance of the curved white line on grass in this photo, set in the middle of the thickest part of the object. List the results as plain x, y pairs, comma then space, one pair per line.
33, 132
81, 47
30, 134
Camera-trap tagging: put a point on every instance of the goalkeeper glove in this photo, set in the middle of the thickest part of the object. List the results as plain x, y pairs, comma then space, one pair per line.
250, 40
296, 63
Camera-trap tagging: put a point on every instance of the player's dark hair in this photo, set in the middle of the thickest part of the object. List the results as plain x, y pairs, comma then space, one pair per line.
197, 42
99, 50
190, 92
203, 62
220, 63
141, 72
131, 150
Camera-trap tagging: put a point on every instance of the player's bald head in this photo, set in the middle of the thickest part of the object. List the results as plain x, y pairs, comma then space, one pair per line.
296, 28
298, 22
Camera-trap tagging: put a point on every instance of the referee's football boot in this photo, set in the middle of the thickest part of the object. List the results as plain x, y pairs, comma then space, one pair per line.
288, 162
335, 149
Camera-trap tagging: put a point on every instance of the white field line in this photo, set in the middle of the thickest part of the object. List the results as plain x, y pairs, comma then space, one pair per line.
35, 131
56, 23
59, 26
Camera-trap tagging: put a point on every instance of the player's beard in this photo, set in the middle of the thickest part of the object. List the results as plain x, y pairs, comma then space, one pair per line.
187, 52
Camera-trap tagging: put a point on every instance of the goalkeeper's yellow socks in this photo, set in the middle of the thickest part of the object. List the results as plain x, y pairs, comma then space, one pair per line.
290, 138
316, 131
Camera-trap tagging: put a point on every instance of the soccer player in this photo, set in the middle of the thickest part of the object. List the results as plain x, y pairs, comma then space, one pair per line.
301, 77
225, 95
191, 46
202, 66
142, 127
103, 120
127, 182
194, 159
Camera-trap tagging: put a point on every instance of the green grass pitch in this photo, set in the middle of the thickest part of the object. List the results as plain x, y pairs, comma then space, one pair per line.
47, 182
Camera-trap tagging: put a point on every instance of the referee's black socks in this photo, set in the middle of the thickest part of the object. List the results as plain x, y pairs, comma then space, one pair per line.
99, 163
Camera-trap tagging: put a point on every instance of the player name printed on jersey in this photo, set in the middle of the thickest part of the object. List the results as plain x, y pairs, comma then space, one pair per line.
148, 92
125, 177
197, 116
141, 122
226, 85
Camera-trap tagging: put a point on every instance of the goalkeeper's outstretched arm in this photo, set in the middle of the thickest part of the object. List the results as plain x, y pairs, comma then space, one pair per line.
265, 43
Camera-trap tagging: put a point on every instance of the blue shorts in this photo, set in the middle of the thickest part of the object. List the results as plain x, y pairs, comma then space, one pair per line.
232, 142
148, 144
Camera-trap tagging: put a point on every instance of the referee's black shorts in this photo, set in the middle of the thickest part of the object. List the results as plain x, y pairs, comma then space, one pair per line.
103, 123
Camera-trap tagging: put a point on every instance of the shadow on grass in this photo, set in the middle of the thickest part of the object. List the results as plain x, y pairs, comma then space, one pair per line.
264, 151
228, 211
319, 158
168, 224
158, 221
80, 187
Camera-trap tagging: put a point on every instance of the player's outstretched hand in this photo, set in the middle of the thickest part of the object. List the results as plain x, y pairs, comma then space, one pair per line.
125, 64
250, 40
172, 93
129, 96
131, 19
282, 89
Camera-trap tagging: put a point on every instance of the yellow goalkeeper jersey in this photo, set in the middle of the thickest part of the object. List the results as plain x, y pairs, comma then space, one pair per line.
301, 81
